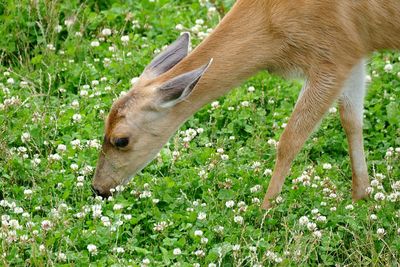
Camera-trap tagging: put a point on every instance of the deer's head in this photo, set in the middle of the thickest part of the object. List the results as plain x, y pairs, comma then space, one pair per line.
142, 121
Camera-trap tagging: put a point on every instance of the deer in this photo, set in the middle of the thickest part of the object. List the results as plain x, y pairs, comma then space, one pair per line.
326, 41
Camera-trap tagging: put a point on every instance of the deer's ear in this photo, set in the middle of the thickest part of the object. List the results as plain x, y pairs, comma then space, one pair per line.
169, 57
179, 88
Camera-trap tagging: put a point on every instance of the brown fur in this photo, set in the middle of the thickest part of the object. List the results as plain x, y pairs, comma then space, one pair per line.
323, 39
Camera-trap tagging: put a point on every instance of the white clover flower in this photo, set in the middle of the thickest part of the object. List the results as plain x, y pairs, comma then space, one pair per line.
204, 240
272, 142
55, 157
311, 226
196, 28
393, 196
212, 10
245, 104
199, 253
375, 183
76, 143
51, 47
119, 250
179, 27
94, 144
83, 93
314, 211
18, 210
388, 67
230, 203
278, 199
106, 32
86, 170
219, 229
199, 21
256, 165
303, 220
75, 103
373, 217
198, 233
96, 211
74, 166
317, 234
379, 196
396, 185
201, 216
95, 43
145, 194
255, 188
146, 261
24, 84
158, 227
10, 81
14, 224
236, 247
127, 217
125, 39
77, 117
61, 256
69, 22
46, 225
177, 251
224, 157
105, 220
215, 104
95, 83
28, 192
327, 166
238, 219
251, 89
332, 110
267, 172
321, 218
369, 190
25, 137
253, 248
24, 238
349, 207
92, 249
118, 207
381, 231
58, 28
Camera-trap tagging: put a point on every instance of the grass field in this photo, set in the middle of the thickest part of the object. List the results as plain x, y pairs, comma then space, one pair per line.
62, 63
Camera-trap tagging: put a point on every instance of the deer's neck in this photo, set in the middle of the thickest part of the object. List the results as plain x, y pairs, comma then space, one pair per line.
235, 58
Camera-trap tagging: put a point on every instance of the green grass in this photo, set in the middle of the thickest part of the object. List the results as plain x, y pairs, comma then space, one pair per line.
46, 72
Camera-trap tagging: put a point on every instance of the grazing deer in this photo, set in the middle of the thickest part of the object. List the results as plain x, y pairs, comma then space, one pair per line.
325, 40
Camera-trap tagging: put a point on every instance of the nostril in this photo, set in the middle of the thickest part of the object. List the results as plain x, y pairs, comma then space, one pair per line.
95, 191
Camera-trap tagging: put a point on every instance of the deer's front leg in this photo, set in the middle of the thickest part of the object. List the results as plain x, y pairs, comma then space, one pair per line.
316, 98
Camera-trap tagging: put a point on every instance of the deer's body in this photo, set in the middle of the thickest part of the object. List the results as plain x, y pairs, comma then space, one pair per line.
325, 40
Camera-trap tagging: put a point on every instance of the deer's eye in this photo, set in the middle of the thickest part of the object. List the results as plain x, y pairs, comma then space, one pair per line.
121, 142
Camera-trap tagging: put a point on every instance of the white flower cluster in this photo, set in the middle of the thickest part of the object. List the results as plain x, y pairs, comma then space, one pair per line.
190, 134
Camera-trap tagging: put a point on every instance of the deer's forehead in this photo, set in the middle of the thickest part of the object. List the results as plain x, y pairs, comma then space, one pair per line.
119, 111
